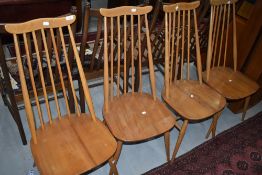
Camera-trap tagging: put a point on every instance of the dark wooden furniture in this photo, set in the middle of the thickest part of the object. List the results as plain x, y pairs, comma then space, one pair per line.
131, 116
191, 99
71, 142
232, 84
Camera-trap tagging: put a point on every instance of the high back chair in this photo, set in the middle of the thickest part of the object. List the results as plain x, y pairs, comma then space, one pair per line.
131, 116
191, 99
65, 142
232, 84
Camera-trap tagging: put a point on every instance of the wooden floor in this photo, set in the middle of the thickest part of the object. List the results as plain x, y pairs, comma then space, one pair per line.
135, 159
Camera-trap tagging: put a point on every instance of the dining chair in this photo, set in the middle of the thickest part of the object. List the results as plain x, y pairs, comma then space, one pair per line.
131, 116
229, 82
191, 99
65, 142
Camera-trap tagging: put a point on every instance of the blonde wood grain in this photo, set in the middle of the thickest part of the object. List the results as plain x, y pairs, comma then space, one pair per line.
134, 116
219, 2
183, 93
125, 10
188, 44
181, 6
72, 143
42, 77
202, 101
28, 108
222, 33
232, 85
59, 70
50, 73
33, 81
69, 70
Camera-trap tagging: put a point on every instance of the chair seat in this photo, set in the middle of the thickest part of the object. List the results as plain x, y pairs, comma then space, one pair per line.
232, 85
194, 101
136, 117
72, 145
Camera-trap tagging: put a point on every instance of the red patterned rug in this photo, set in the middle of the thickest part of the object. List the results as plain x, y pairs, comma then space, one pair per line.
236, 151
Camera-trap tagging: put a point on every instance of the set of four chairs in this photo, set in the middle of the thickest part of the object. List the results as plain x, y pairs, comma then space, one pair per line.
76, 142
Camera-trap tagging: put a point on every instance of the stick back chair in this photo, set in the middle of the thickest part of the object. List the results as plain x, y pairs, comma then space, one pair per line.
72, 142
131, 116
232, 84
191, 99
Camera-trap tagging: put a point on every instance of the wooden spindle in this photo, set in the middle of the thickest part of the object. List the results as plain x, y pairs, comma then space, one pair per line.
132, 54
225, 53
214, 34
150, 59
166, 57
198, 55
125, 45
222, 35
183, 45
28, 107
209, 47
140, 55
234, 38
69, 71
172, 48
31, 74
217, 35
82, 75
59, 69
50, 72
188, 45
177, 43
118, 55
105, 67
112, 57
39, 62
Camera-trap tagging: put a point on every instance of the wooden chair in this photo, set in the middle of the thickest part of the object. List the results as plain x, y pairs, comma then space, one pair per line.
232, 84
131, 116
191, 99
71, 143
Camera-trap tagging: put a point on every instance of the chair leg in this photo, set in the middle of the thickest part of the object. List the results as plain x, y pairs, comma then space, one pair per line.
113, 169
180, 138
245, 107
116, 156
213, 125
167, 145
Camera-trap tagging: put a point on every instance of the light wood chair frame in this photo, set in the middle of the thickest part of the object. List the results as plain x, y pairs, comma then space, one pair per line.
135, 42
38, 28
223, 14
176, 54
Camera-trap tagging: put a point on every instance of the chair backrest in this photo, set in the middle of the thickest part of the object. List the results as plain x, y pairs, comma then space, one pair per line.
125, 45
178, 35
222, 12
35, 32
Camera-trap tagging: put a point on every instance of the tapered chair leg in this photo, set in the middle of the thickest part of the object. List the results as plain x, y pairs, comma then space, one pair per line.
116, 156
245, 107
213, 125
113, 169
167, 145
180, 138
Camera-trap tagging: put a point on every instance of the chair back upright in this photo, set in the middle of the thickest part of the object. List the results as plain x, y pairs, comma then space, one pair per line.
222, 13
180, 20
119, 21
34, 33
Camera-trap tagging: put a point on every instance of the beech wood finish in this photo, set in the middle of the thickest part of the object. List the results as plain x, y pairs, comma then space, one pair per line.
191, 99
131, 116
71, 143
230, 83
